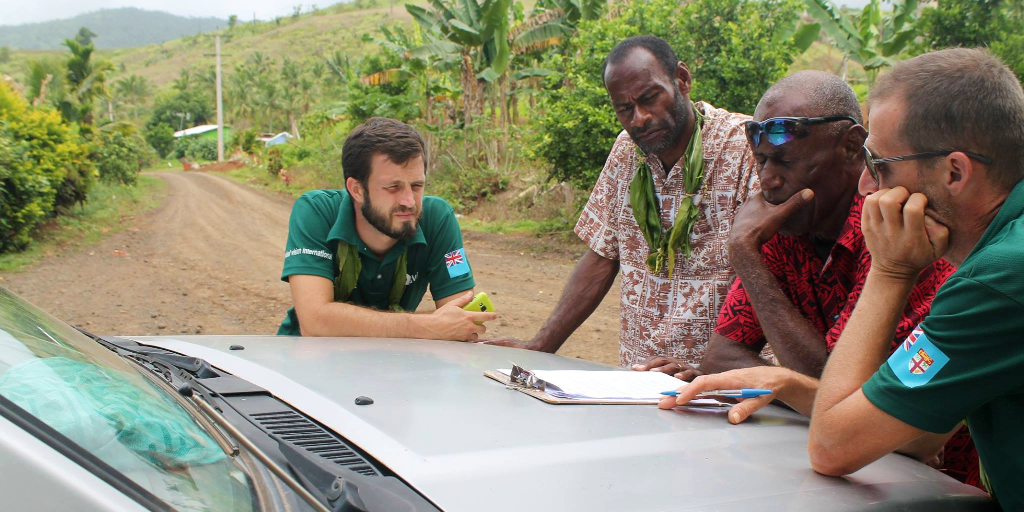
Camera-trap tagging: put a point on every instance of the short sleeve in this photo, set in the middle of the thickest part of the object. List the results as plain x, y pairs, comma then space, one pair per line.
448, 266
307, 251
964, 355
737, 320
598, 225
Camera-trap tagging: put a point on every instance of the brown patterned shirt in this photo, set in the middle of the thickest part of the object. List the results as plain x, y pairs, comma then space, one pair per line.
662, 316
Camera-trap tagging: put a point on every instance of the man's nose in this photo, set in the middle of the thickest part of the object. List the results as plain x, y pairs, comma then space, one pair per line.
770, 180
407, 198
642, 119
867, 184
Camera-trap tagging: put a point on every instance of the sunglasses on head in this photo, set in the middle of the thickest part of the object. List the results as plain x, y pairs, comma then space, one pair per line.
873, 162
780, 130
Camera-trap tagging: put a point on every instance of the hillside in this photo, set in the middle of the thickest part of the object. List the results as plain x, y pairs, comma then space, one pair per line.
311, 37
126, 27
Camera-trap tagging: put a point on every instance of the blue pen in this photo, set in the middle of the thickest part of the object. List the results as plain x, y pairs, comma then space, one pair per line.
728, 393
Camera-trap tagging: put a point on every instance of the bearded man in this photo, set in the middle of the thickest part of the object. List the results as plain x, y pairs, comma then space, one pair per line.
660, 213
359, 260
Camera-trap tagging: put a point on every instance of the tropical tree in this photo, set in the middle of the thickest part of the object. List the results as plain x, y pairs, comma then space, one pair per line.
232, 21
44, 81
84, 36
86, 82
132, 90
872, 38
478, 33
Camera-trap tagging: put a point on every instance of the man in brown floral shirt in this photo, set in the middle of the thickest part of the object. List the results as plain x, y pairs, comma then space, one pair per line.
668, 315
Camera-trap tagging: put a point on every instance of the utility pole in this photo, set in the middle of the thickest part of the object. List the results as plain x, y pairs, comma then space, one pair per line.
220, 107
220, 101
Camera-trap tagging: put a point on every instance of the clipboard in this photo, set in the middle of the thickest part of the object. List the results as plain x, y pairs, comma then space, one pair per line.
545, 397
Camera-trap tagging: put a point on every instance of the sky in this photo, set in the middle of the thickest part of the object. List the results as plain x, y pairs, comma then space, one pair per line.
16, 12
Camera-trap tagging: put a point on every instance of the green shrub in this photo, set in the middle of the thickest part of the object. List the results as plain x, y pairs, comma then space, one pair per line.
274, 161
203, 149
725, 43
181, 147
244, 140
37, 148
161, 138
121, 157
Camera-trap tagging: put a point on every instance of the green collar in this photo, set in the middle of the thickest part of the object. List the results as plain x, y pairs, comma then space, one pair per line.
1011, 210
344, 229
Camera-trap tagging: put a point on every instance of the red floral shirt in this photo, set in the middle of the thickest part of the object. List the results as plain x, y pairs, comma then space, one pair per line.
824, 291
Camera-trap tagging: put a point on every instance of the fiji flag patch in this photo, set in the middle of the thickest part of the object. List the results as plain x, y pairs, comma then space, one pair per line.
917, 360
456, 263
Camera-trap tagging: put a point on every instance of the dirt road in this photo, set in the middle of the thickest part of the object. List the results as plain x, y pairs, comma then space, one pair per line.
208, 260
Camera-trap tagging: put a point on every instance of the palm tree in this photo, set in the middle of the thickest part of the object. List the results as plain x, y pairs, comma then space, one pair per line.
133, 90
86, 81
184, 81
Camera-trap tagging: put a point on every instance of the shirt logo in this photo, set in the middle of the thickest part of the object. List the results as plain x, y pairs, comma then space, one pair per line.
410, 279
907, 343
456, 263
920, 362
919, 366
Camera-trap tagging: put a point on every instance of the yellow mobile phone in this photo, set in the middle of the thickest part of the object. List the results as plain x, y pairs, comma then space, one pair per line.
480, 303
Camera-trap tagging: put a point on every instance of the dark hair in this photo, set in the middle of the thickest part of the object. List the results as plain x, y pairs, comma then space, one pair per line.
960, 98
657, 46
379, 135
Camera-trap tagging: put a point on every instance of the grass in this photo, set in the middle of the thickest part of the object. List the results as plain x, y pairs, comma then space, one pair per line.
109, 210
543, 227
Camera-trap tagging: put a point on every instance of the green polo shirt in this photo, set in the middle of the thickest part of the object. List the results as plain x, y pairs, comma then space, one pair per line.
966, 360
321, 218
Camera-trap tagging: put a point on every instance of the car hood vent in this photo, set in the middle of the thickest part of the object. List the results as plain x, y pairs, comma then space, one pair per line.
304, 434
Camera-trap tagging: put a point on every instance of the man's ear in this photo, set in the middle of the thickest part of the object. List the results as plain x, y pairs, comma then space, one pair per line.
957, 172
852, 145
683, 78
355, 189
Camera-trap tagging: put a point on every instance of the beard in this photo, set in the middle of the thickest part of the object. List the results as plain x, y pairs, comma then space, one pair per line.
674, 126
384, 221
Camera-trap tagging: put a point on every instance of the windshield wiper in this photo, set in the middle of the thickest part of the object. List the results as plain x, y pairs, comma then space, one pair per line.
188, 392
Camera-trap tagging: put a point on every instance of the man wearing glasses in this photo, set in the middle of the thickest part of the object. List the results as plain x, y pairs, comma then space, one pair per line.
797, 247
803, 262
947, 148
945, 175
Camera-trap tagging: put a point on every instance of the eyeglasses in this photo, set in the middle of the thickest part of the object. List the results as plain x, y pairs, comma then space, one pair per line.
871, 161
780, 130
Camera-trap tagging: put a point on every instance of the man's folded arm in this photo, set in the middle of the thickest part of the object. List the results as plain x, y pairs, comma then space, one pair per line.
795, 342
319, 315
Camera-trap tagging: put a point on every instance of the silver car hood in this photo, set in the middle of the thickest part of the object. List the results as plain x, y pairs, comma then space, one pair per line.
467, 443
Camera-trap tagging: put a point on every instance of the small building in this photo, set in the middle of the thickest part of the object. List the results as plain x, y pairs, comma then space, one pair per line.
205, 131
269, 139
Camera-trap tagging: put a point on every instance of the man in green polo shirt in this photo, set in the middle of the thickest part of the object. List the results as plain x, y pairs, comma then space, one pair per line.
359, 260
946, 164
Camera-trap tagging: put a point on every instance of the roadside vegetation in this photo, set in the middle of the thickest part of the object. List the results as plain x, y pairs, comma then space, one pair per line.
508, 94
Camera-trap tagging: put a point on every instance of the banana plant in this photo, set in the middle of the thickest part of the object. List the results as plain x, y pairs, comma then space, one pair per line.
478, 31
873, 38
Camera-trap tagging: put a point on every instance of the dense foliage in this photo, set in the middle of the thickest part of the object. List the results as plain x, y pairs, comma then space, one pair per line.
721, 41
37, 150
122, 154
997, 24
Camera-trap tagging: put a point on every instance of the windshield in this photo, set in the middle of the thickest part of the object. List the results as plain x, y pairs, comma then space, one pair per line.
105, 405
